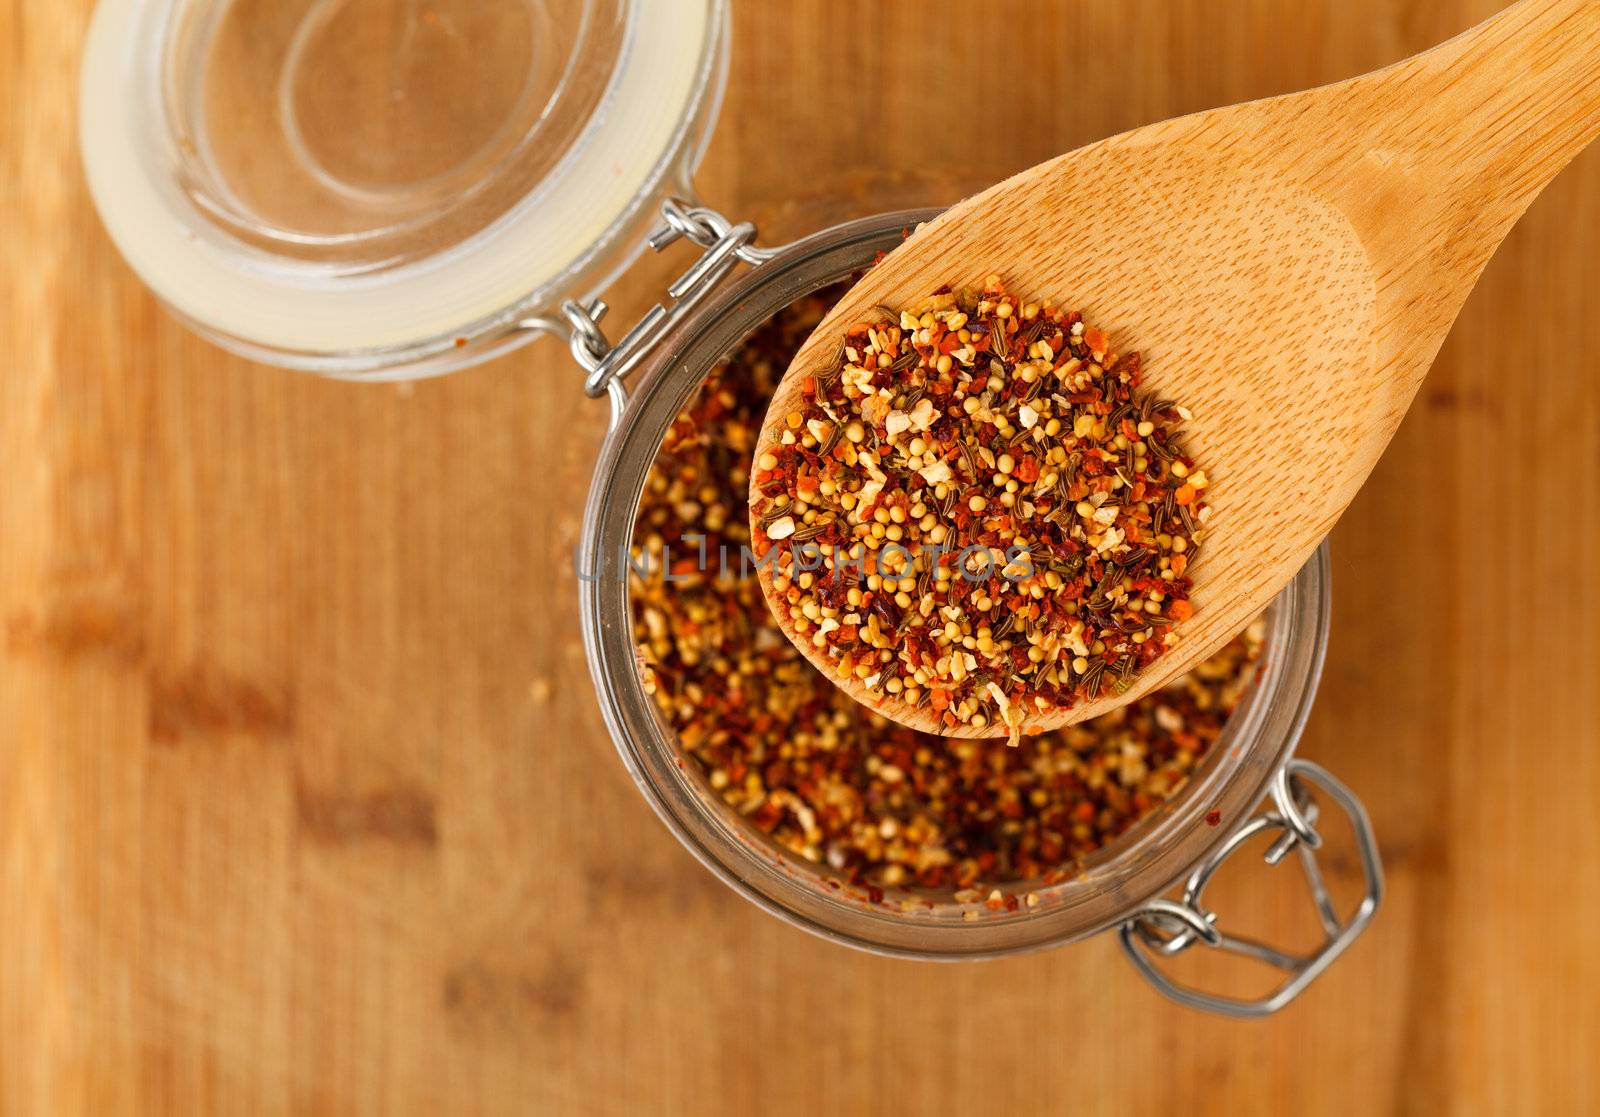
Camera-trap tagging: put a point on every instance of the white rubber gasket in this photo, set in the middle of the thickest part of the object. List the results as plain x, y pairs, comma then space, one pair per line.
239, 292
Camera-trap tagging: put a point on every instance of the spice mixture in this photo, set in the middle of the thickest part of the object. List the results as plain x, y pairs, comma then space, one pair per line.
885, 806
1000, 523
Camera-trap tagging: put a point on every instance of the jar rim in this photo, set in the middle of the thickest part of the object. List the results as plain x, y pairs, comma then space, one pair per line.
1112, 883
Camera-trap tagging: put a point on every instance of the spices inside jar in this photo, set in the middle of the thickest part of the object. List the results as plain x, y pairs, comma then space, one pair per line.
886, 808
974, 511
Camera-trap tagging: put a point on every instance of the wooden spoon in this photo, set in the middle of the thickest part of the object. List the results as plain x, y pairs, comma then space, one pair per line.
1288, 268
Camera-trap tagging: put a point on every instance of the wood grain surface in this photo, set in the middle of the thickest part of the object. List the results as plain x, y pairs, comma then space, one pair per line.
305, 804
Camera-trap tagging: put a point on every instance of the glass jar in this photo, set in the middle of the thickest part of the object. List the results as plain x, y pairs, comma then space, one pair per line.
271, 170
1121, 885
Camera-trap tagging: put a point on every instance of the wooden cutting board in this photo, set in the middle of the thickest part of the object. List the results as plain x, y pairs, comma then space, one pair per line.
305, 804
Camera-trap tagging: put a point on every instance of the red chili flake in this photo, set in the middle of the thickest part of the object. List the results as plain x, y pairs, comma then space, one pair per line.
1213, 817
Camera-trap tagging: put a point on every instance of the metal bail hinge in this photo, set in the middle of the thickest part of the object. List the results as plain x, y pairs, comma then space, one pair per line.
1163, 928
726, 245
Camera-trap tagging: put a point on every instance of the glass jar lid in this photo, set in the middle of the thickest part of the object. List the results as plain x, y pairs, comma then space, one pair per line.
389, 188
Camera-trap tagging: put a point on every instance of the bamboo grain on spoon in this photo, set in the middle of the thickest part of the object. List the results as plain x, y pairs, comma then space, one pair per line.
1288, 268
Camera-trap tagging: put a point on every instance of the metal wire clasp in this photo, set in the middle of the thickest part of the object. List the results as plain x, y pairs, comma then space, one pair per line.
1163, 928
726, 244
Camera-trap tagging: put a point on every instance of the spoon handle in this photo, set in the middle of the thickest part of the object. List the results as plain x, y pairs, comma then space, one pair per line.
1433, 159
1462, 138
